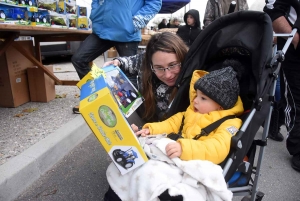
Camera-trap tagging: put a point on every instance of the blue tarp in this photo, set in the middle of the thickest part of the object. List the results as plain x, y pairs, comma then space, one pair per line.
171, 6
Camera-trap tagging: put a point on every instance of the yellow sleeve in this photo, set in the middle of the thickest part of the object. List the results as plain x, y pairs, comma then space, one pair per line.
214, 147
168, 126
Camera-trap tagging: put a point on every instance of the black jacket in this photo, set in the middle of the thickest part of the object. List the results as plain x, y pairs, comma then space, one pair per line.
162, 25
190, 33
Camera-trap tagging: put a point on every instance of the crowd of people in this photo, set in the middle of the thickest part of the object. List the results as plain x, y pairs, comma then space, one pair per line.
212, 95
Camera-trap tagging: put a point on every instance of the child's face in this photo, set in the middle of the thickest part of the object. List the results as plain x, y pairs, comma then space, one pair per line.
190, 20
204, 104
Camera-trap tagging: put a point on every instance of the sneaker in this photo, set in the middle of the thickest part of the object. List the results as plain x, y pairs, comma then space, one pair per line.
76, 110
276, 136
296, 162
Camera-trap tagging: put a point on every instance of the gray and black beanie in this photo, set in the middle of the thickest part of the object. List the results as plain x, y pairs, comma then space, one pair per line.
222, 86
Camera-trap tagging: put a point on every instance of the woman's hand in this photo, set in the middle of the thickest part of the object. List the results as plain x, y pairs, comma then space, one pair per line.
114, 62
173, 150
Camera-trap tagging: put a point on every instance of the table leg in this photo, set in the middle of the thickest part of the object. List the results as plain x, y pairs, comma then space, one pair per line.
8, 41
36, 62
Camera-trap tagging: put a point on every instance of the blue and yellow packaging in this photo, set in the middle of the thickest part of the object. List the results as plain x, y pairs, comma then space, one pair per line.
101, 107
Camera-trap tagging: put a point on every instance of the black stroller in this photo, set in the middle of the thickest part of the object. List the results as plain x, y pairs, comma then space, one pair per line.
248, 37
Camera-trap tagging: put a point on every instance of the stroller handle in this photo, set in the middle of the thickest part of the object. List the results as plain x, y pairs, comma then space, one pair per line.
232, 7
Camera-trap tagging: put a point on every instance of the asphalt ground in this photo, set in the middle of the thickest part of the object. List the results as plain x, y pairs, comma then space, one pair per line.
80, 175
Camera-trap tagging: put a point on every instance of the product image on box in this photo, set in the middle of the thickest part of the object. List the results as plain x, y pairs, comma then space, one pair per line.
125, 93
126, 157
102, 113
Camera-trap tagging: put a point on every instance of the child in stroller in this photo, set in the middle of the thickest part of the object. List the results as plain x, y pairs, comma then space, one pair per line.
213, 96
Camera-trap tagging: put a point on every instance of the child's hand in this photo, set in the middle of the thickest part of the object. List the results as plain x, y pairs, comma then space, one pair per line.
135, 128
173, 150
142, 132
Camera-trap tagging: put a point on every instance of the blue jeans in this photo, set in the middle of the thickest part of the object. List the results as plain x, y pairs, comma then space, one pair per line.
93, 46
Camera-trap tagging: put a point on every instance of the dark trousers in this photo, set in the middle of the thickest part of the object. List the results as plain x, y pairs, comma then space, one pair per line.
93, 46
291, 68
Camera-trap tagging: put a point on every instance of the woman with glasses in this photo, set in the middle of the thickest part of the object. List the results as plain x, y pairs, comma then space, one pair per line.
157, 69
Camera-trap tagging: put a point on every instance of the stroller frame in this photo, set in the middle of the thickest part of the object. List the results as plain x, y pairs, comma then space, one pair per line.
262, 105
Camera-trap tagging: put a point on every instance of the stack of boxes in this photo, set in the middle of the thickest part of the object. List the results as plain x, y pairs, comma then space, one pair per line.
49, 13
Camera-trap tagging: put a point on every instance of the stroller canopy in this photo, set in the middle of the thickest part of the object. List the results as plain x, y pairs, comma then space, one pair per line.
249, 31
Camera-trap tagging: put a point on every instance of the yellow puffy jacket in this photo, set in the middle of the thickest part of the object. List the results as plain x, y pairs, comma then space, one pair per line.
214, 147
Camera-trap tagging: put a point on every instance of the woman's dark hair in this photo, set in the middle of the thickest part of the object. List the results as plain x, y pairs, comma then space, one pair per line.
164, 42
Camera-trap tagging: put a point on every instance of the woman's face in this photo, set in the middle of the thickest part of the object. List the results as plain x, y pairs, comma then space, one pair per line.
161, 61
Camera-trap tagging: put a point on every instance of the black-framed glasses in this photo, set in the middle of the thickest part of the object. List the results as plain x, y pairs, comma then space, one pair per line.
160, 70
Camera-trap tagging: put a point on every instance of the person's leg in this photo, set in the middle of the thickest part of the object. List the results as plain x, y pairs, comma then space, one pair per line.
90, 49
291, 71
127, 49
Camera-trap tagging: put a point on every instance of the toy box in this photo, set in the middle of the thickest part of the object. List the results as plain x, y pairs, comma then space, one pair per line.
101, 111
81, 11
13, 13
13, 2
72, 21
71, 7
61, 7
48, 4
82, 23
43, 17
30, 4
58, 20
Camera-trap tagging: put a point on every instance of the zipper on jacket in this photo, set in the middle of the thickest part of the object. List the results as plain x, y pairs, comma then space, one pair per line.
190, 36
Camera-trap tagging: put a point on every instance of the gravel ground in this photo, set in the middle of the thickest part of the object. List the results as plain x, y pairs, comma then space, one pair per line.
27, 124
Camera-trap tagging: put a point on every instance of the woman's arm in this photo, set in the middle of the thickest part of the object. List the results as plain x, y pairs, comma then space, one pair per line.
131, 64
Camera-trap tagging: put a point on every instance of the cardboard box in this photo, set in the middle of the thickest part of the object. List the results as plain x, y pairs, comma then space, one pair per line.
13, 76
41, 86
112, 53
101, 112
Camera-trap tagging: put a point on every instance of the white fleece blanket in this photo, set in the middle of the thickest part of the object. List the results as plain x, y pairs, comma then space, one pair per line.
194, 179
